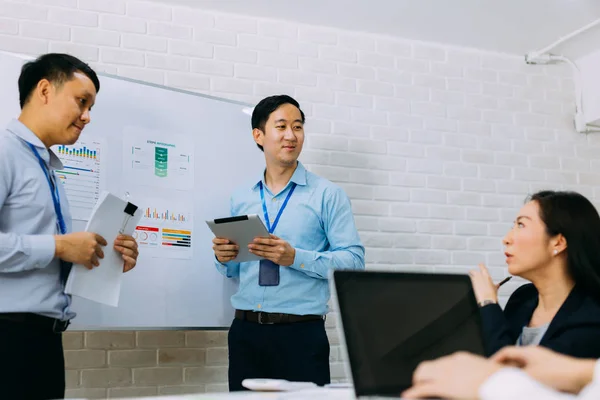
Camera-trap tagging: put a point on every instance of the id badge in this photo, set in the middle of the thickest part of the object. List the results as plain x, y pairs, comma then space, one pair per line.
268, 273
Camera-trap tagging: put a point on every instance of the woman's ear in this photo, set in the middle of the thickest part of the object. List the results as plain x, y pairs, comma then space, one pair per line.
559, 244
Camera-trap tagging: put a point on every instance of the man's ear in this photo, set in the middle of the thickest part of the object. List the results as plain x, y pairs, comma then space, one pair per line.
258, 136
42, 91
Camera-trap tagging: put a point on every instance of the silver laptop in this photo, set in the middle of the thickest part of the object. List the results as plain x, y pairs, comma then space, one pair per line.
389, 322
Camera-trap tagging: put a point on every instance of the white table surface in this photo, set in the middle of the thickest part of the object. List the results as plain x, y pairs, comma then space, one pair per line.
312, 394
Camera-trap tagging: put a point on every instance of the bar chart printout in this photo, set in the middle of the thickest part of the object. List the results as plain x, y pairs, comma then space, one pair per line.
81, 175
166, 228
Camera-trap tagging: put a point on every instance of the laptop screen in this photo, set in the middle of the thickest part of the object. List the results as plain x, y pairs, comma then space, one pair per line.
392, 321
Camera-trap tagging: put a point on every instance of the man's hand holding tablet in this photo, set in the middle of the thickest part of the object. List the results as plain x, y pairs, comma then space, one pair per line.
233, 236
225, 250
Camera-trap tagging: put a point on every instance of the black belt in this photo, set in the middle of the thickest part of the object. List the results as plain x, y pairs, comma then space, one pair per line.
36, 320
264, 318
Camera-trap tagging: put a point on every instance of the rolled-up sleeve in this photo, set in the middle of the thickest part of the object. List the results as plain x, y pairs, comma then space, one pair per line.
345, 249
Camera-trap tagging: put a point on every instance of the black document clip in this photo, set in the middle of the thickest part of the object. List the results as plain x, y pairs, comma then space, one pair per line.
129, 211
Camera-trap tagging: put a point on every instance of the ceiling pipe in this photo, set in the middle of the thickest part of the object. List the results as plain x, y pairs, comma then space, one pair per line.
543, 57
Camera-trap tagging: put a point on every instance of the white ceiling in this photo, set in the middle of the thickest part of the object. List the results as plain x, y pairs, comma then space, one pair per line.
508, 26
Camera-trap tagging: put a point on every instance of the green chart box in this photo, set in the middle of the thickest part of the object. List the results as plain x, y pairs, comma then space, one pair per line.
161, 158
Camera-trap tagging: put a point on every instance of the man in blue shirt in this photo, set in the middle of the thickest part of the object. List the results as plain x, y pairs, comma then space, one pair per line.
57, 92
279, 331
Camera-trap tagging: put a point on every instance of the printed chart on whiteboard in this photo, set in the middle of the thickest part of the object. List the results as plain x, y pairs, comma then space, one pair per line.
162, 160
82, 175
165, 229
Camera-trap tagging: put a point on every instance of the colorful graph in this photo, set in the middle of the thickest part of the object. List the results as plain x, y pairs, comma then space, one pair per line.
165, 215
83, 152
175, 243
165, 229
161, 164
74, 171
147, 235
81, 175
177, 238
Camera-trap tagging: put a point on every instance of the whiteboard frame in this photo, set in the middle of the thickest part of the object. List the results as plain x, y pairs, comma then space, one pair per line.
184, 91
93, 328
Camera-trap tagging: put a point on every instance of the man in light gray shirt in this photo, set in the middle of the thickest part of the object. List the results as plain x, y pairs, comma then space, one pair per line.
57, 92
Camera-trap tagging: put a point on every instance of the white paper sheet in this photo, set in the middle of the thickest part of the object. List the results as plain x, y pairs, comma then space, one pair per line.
157, 158
102, 284
167, 227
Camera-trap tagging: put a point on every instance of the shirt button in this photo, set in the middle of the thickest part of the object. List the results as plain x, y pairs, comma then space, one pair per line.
302, 266
259, 306
274, 199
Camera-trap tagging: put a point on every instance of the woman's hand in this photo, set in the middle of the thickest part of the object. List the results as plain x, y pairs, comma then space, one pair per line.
483, 286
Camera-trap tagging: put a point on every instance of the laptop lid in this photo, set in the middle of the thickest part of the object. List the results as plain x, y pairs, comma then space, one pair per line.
392, 321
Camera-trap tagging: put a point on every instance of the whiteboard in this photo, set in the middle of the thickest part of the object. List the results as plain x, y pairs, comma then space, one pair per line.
179, 155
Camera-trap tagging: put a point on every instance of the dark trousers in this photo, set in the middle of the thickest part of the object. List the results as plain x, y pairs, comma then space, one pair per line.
295, 352
32, 365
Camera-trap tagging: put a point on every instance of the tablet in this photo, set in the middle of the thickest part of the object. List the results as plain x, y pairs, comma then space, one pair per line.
240, 230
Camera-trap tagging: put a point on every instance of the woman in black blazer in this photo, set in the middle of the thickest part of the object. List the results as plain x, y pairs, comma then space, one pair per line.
554, 244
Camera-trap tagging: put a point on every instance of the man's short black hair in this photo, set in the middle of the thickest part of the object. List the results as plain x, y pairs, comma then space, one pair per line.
56, 68
266, 106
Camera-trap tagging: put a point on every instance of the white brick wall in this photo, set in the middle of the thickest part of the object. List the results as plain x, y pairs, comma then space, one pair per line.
436, 146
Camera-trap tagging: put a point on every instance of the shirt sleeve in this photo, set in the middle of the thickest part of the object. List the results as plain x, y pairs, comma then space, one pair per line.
20, 252
345, 249
515, 384
592, 391
230, 269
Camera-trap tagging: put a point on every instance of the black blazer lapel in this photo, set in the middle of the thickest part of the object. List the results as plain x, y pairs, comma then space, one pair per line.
570, 307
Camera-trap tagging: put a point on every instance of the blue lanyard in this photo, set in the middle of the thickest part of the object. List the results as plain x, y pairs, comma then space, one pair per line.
53, 189
264, 206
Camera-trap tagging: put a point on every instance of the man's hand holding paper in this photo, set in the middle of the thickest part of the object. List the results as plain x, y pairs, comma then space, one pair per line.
115, 220
83, 248
128, 247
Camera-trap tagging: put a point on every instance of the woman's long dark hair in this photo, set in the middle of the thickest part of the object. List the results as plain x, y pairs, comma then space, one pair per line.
576, 218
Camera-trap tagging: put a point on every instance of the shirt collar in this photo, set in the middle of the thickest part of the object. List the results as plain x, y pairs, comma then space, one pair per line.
298, 177
24, 133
